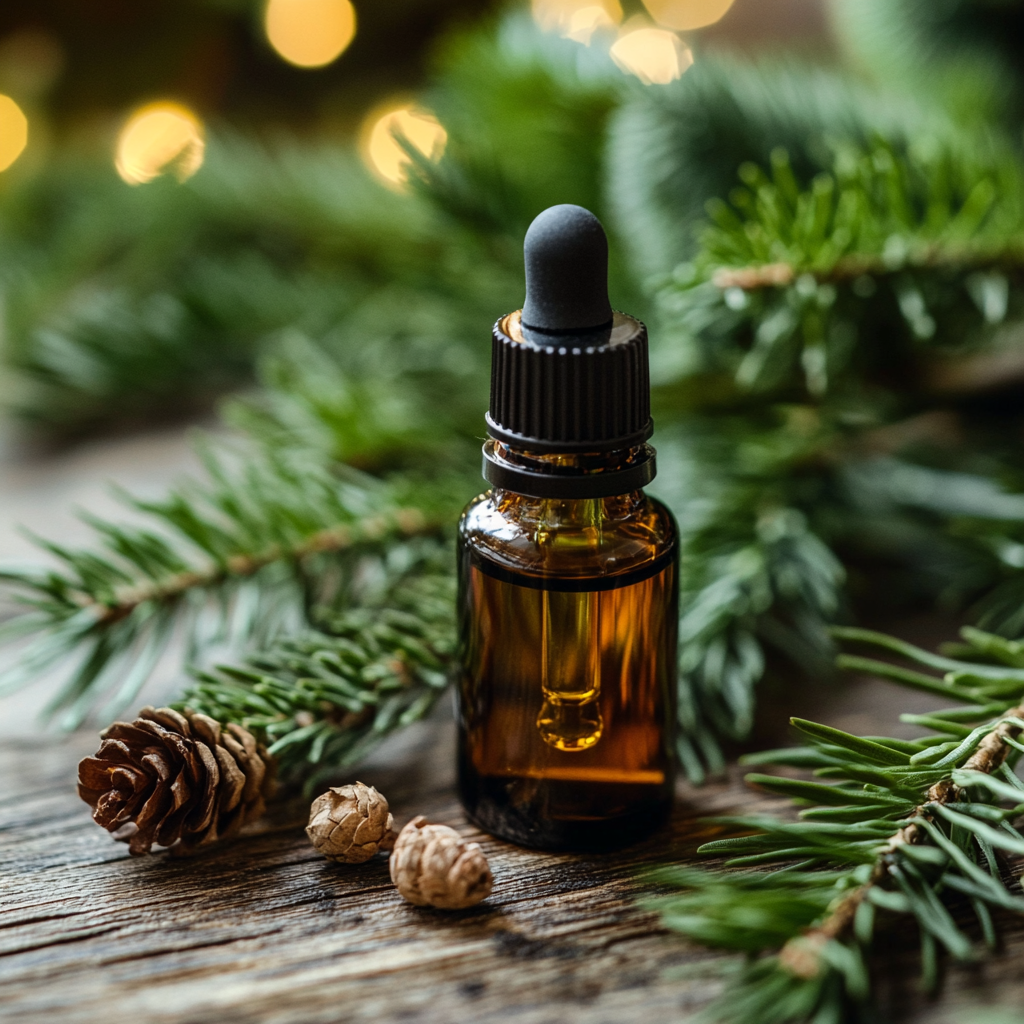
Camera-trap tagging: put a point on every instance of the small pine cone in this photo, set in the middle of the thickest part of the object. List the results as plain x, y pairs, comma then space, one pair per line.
175, 779
351, 823
432, 865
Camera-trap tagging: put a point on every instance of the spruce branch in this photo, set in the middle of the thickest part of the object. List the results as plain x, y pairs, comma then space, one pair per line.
322, 699
239, 557
789, 275
755, 577
899, 828
816, 325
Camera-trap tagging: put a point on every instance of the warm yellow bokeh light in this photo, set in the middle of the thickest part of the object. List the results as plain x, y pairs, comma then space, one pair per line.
686, 15
157, 138
577, 19
310, 33
654, 55
381, 150
13, 132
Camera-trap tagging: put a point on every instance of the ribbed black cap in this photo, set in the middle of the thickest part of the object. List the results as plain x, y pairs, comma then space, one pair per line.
581, 393
566, 373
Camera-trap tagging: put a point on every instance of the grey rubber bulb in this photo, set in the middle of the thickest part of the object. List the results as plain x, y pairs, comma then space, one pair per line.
566, 254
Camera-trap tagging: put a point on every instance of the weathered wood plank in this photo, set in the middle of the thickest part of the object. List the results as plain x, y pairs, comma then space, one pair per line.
263, 930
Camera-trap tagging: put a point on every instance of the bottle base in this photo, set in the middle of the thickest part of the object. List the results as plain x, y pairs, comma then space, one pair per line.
488, 805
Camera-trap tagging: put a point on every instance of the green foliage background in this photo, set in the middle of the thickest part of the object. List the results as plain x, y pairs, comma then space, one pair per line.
804, 440
831, 261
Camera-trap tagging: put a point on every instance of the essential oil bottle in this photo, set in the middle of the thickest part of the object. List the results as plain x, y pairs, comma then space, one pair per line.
568, 577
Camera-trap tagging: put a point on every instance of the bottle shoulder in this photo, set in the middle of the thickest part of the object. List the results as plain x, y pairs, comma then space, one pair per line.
579, 538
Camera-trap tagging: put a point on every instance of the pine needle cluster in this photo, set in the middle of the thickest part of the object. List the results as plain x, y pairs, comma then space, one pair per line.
322, 699
894, 829
240, 558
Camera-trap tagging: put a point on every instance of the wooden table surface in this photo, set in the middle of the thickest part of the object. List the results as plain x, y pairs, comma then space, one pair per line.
263, 929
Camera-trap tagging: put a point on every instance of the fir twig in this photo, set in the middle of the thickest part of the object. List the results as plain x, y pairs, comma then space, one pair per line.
321, 700
902, 826
239, 558
788, 275
801, 955
815, 323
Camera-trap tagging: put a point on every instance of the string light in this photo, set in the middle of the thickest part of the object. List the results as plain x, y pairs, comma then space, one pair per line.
310, 33
13, 132
157, 138
686, 15
381, 150
577, 19
655, 55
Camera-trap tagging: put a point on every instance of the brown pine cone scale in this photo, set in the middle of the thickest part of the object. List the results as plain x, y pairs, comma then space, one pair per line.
175, 779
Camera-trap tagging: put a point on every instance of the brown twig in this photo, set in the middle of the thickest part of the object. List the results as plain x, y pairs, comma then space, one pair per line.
849, 268
801, 955
409, 522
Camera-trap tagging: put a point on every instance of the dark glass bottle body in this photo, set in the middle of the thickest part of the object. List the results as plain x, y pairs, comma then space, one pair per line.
566, 700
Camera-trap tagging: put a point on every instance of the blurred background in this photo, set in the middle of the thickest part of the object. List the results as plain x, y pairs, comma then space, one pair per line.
110, 347
293, 222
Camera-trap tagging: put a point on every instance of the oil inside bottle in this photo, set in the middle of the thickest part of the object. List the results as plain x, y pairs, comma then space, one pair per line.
567, 688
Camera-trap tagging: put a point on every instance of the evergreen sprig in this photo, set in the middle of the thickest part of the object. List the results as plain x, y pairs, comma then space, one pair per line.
900, 827
922, 247
242, 556
322, 699
814, 327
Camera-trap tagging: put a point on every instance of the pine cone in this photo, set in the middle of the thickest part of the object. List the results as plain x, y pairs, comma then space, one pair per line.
350, 823
432, 865
174, 779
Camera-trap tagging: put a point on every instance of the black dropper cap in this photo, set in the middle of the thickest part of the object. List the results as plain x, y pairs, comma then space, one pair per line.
568, 374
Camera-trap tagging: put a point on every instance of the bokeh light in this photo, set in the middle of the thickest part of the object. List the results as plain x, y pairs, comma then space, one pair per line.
686, 15
310, 33
381, 150
157, 138
13, 132
577, 19
655, 55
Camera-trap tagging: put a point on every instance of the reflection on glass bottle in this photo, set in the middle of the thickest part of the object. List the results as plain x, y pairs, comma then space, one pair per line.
570, 717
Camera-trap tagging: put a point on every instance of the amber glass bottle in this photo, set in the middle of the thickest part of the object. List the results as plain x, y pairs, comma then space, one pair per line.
568, 582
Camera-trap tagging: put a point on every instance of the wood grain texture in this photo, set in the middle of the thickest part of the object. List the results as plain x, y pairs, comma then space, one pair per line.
263, 929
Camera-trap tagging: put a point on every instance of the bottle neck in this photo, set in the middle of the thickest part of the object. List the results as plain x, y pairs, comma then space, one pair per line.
568, 475
547, 516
